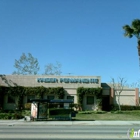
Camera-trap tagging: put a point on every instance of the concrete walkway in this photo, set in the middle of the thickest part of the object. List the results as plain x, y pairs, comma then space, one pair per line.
22, 122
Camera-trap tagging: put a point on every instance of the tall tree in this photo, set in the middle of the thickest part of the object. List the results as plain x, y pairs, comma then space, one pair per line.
52, 69
133, 30
26, 65
118, 88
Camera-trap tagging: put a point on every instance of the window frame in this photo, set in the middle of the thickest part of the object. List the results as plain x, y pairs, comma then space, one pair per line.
91, 102
70, 96
10, 100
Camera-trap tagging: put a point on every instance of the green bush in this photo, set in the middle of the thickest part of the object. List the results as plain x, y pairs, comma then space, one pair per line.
14, 114
85, 112
7, 116
27, 106
26, 112
18, 116
7, 111
114, 107
99, 112
92, 112
124, 107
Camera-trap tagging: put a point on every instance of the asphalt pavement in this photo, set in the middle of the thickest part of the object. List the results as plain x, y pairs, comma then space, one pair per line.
64, 132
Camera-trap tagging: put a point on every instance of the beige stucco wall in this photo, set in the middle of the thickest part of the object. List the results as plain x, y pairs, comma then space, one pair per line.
31, 81
127, 97
71, 92
89, 107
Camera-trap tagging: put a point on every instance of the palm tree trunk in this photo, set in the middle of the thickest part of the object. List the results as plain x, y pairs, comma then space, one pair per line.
138, 41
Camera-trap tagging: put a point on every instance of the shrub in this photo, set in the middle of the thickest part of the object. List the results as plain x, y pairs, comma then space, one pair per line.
124, 107
100, 112
127, 107
27, 106
92, 112
26, 112
6, 116
114, 107
18, 116
85, 112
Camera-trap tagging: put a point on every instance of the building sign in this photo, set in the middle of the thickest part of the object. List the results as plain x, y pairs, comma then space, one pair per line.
67, 80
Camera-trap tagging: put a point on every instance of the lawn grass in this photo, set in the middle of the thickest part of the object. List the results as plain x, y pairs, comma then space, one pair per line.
110, 116
102, 115
93, 115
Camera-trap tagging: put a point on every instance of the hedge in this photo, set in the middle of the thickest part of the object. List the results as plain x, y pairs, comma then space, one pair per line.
124, 107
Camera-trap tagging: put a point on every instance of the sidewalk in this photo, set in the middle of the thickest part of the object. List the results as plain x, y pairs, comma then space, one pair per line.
22, 122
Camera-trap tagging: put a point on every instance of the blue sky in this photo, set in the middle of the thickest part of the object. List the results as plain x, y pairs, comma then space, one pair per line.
85, 36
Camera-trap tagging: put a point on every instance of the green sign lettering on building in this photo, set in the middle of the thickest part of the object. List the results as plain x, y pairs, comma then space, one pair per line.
67, 80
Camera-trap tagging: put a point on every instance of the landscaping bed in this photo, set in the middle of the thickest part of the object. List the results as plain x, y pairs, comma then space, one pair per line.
133, 115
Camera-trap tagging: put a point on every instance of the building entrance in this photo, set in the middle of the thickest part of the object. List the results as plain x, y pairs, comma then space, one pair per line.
106, 103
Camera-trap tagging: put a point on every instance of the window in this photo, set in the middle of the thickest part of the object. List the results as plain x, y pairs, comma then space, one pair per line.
90, 100
70, 97
50, 97
30, 97
11, 99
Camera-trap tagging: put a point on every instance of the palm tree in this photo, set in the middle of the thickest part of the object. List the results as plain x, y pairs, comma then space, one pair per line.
133, 30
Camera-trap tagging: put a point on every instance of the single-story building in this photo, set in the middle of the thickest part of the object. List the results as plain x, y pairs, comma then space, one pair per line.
84, 90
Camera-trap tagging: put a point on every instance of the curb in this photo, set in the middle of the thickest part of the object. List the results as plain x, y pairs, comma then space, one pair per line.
90, 123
